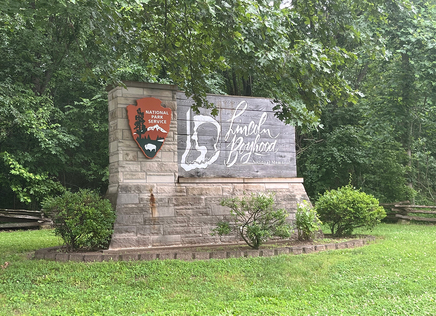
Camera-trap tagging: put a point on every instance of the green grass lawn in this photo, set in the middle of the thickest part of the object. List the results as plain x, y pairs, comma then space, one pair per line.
394, 276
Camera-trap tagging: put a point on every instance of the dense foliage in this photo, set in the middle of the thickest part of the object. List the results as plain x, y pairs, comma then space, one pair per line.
346, 209
83, 220
255, 219
356, 77
385, 140
307, 222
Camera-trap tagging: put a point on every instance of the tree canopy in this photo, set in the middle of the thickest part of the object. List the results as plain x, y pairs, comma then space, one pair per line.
313, 57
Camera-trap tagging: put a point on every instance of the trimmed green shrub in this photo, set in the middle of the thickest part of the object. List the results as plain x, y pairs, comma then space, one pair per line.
346, 208
83, 220
306, 221
255, 219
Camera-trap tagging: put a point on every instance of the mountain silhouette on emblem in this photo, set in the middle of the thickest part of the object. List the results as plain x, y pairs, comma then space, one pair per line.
156, 127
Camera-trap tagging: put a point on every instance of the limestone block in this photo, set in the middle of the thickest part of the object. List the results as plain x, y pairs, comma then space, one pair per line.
201, 255
115, 178
358, 243
169, 156
181, 230
134, 175
129, 220
122, 123
126, 134
76, 257
110, 257
164, 201
159, 94
124, 198
158, 201
123, 242
143, 241
229, 239
150, 230
203, 221
215, 190
207, 230
166, 221
180, 190
127, 166
135, 181
170, 137
216, 210
128, 91
184, 256
164, 190
252, 253
308, 249
152, 166
92, 258
189, 201
167, 256
267, 252
276, 186
114, 157
164, 211
161, 178
296, 250
341, 245
115, 136
281, 251
136, 188
113, 146
129, 256
172, 147
112, 104
235, 254
120, 230
133, 209
171, 105
63, 257
192, 212
239, 189
116, 92
130, 155
166, 240
113, 188
227, 190
147, 256
319, 247
113, 126
219, 255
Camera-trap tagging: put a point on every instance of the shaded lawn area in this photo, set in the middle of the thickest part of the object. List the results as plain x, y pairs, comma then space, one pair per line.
394, 276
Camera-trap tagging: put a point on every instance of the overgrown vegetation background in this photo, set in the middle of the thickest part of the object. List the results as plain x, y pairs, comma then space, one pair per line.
356, 77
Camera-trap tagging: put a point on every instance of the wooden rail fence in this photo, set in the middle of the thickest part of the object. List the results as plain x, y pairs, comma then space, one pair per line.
10, 218
401, 210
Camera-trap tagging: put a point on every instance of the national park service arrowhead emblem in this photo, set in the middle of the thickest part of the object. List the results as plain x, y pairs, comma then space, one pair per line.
149, 123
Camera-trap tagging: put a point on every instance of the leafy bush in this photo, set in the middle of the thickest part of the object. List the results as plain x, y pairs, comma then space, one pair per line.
306, 221
255, 219
345, 209
83, 220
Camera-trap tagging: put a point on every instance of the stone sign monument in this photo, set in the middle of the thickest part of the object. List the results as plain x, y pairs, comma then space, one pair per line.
170, 167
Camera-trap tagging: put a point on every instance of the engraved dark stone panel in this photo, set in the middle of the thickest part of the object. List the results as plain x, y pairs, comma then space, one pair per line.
245, 139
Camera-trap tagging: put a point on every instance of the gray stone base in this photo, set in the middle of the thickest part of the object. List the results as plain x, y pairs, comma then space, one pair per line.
185, 213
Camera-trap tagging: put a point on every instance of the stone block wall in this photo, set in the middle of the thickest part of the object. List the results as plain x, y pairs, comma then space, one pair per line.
155, 207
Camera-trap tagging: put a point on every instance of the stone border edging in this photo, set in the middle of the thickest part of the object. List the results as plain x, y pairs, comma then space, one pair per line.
50, 254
